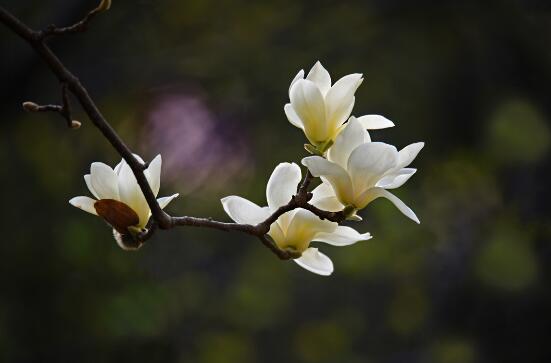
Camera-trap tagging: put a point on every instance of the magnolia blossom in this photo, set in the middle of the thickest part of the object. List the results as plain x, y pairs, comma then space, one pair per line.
360, 171
296, 229
320, 109
119, 199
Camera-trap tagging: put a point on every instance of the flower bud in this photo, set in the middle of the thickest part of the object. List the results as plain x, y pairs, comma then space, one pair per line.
75, 124
104, 5
30, 106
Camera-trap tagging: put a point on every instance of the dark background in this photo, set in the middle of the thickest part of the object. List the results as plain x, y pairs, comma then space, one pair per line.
204, 83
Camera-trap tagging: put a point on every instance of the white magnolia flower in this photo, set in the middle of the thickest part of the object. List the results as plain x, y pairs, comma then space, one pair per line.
361, 171
321, 109
293, 230
119, 199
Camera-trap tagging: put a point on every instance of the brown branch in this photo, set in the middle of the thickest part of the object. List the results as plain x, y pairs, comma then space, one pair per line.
160, 219
283, 255
78, 27
33, 107
300, 200
64, 110
323, 214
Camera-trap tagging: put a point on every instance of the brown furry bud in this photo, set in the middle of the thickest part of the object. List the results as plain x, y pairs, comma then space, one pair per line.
104, 5
30, 106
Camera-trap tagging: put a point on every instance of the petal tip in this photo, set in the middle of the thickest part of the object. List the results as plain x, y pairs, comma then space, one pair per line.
366, 236
316, 262
95, 165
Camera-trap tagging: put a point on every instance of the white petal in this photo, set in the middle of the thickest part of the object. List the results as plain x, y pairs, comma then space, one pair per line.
369, 162
117, 168
352, 136
277, 234
305, 222
337, 119
153, 174
292, 116
335, 174
324, 197
300, 75
131, 194
104, 181
163, 202
380, 192
308, 103
330, 204
303, 227
375, 122
316, 262
88, 181
322, 191
285, 219
244, 211
395, 180
408, 154
342, 236
139, 158
319, 75
340, 98
84, 203
282, 184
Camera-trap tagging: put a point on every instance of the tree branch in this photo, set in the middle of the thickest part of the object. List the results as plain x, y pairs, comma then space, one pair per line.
160, 219
64, 110
78, 27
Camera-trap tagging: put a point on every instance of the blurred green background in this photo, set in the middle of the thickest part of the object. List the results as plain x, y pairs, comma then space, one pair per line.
204, 83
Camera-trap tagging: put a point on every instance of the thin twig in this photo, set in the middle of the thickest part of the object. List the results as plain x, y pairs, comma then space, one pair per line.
64, 110
33, 107
337, 217
78, 27
282, 254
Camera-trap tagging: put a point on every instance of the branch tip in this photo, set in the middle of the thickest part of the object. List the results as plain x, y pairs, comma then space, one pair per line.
104, 5
30, 106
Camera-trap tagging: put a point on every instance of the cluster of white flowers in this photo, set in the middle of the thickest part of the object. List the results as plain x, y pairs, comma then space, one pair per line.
353, 170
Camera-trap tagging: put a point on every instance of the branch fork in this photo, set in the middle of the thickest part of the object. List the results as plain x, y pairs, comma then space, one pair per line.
64, 109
